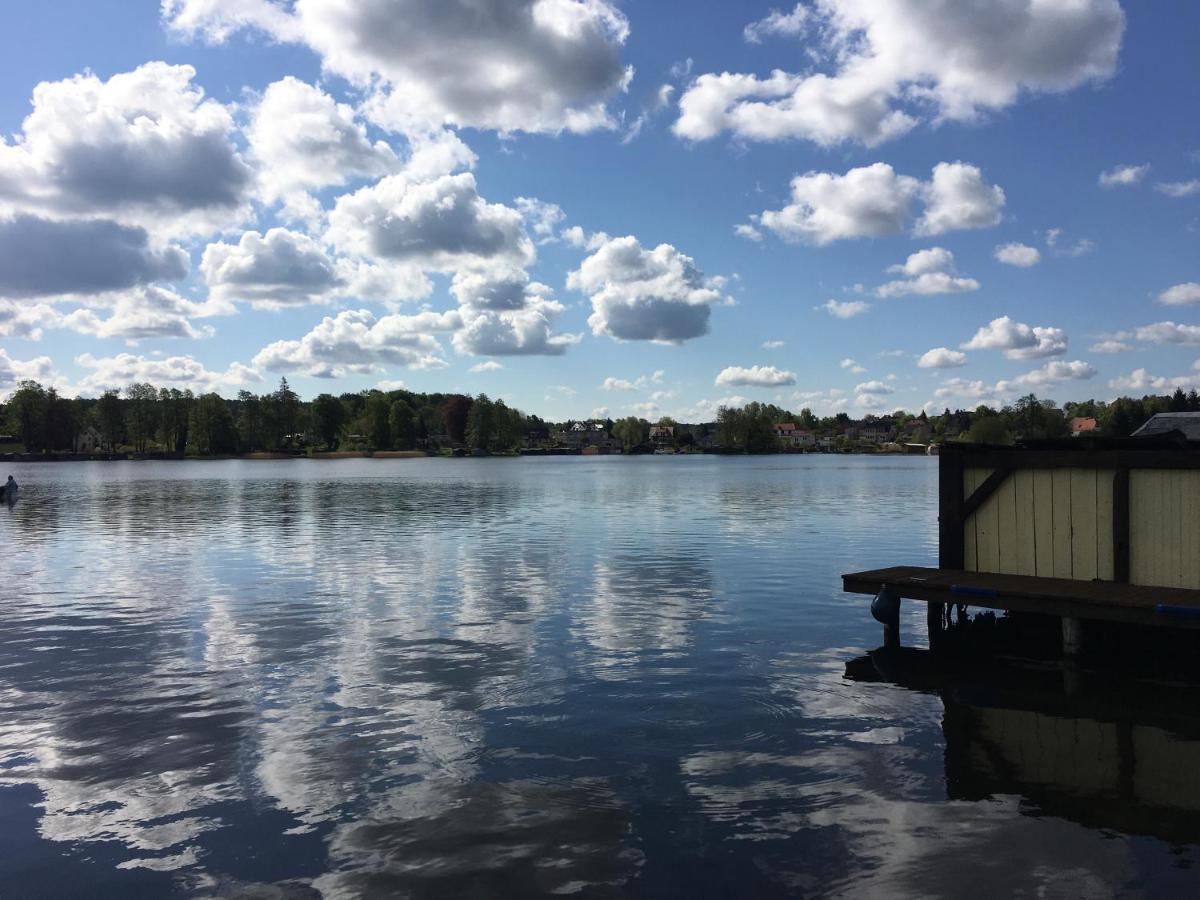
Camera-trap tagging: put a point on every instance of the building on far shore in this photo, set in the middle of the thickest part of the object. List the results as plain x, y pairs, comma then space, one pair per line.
88, 440
662, 435
1082, 425
1187, 423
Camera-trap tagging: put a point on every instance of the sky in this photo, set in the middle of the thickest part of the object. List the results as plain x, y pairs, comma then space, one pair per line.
604, 207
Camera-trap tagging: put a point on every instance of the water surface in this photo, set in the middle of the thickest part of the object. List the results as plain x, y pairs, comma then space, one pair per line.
588, 676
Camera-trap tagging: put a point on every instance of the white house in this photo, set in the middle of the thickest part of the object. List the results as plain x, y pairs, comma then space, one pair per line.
88, 440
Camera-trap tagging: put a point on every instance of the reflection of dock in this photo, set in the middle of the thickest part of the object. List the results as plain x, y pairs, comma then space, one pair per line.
1105, 751
1096, 531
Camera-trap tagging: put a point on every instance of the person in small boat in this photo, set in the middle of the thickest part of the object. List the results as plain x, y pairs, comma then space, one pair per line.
10, 487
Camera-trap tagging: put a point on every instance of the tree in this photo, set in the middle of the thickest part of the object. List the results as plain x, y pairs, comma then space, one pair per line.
287, 413
110, 416
175, 409
481, 423
212, 425
328, 417
379, 429
27, 414
750, 429
253, 427
403, 422
988, 428
143, 416
455, 412
631, 431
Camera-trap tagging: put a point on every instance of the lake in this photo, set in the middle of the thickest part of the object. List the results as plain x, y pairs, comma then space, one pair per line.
596, 676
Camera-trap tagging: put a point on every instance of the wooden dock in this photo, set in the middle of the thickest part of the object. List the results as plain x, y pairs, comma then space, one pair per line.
1085, 600
1086, 530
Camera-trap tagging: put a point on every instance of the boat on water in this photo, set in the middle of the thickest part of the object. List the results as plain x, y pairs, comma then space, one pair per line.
9, 493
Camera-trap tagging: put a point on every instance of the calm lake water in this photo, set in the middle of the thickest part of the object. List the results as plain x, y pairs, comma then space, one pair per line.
588, 676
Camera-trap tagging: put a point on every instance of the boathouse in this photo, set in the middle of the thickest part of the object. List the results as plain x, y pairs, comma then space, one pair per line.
1083, 529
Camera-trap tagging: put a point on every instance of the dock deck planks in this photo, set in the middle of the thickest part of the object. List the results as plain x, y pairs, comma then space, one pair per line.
1102, 600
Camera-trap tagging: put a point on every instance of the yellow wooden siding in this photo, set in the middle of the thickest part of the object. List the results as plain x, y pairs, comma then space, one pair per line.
1164, 527
1054, 523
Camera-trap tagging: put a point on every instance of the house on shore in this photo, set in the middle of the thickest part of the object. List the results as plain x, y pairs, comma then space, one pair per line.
790, 436
662, 435
1083, 426
88, 440
1187, 423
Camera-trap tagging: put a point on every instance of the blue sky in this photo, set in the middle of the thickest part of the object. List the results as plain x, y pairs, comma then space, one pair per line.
214, 194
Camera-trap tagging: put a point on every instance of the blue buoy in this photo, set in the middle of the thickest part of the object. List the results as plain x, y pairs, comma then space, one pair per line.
885, 608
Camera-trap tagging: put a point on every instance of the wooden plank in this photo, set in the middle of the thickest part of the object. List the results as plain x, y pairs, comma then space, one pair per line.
985, 489
1120, 537
1189, 532
1083, 524
950, 501
1043, 522
1104, 524
1006, 525
1184, 457
1025, 522
1145, 498
971, 524
1133, 604
1061, 487
987, 530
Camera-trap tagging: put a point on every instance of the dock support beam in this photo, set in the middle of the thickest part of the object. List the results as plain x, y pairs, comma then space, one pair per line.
1072, 637
936, 621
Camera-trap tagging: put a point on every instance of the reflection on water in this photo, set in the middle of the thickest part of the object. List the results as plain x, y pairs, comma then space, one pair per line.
480, 677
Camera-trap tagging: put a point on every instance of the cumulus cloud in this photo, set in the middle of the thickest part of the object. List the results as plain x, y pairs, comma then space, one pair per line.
280, 268
874, 387
144, 147
851, 365
14, 371
522, 332
873, 201
1181, 294
777, 24
755, 376
147, 312
1079, 247
527, 65
1168, 333
1123, 176
845, 309
46, 257
958, 198
27, 320
1020, 255
355, 341
930, 271
1141, 380
645, 295
1179, 189
542, 218
749, 232
891, 63
304, 140
120, 371
1018, 340
487, 366
942, 358
1049, 374
441, 225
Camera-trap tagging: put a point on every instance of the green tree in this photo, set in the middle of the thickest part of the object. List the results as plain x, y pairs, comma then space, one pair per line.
454, 412
631, 431
481, 423
213, 428
27, 414
404, 426
110, 418
328, 417
379, 428
143, 416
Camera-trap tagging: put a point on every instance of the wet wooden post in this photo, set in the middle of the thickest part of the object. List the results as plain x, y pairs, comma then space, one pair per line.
935, 618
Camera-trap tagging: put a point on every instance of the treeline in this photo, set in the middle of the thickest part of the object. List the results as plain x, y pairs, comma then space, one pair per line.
146, 419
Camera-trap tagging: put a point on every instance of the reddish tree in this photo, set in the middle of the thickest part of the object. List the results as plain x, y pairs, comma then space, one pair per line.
456, 410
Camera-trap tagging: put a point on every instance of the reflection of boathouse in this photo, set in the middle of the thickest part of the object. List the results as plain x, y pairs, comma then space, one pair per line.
1106, 752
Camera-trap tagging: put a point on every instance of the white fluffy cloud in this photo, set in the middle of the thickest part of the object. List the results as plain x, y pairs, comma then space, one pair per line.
851, 365
845, 309
755, 376
1181, 294
1141, 380
13, 371
443, 224
47, 257
892, 63
942, 358
303, 140
874, 387
1020, 255
1179, 189
147, 312
1110, 345
27, 320
489, 365
521, 332
645, 295
777, 24
872, 201
930, 271
526, 65
355, 341
280, 268
122, 370
1168, 333
1123, 176
1049, 374
1018, 340
144, 147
